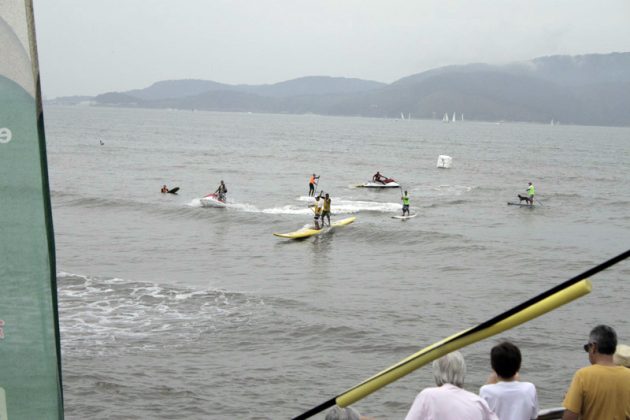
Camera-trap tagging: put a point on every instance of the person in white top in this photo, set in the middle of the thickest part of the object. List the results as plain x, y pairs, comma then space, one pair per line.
508, 397
448, 401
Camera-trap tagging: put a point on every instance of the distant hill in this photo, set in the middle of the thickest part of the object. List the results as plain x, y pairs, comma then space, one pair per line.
589, 89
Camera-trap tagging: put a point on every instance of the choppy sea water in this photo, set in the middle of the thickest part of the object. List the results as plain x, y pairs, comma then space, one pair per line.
172, 310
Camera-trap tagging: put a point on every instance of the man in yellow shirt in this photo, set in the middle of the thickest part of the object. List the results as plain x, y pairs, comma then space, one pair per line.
326, 210
602, 390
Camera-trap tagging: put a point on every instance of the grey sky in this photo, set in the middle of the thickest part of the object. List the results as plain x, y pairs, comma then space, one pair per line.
93, 46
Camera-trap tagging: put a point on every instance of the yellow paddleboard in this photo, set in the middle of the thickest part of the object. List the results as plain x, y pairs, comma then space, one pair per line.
343, 222
306, 232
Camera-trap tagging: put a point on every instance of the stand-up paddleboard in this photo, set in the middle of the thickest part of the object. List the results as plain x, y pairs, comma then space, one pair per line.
311, 231
511, 203
212, 200
405, 217
174, 190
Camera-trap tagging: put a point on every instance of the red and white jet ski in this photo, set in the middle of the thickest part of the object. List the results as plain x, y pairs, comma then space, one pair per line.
212, 200
383, 183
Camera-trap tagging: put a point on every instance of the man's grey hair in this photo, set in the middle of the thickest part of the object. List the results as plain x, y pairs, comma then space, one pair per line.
450, 369
605, 337
338, 413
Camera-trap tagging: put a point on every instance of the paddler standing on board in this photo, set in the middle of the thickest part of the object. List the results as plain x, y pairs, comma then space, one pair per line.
311, 185
405, 200
531, 192
326, 210
317, 209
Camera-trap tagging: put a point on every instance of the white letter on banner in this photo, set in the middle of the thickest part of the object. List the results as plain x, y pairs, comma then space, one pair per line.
5, 135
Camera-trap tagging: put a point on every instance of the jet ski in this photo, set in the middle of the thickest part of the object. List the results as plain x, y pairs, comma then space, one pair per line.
212, 200
383, 183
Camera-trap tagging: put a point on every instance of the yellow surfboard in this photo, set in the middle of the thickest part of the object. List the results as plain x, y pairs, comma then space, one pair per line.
306, 232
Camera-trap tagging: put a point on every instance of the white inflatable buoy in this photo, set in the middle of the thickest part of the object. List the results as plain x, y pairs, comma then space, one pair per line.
444, 161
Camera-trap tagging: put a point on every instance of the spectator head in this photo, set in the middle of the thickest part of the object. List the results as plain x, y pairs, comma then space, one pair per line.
622, 355
338, 413
603, 338
450, 369
505, 359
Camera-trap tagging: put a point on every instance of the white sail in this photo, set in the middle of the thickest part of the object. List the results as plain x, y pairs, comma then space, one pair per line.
445, 118
453, 117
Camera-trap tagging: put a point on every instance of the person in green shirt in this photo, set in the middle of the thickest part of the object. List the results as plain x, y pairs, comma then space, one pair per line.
531, 192
405, 200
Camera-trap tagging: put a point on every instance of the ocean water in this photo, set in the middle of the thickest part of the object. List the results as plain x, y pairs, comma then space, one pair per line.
172, 310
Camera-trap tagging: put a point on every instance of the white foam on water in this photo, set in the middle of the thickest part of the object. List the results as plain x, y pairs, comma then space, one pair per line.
306, 198
249, 208
195, 202
339, 206
97, 312
288, 209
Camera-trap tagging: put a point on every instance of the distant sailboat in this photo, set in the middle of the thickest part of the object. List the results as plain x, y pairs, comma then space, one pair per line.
445, 118
453, 117
462, 116
402, 116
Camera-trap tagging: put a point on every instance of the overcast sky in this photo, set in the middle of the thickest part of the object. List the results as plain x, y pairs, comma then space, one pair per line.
87, 47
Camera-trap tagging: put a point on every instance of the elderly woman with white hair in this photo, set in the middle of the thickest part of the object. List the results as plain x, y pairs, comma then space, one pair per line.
449, 401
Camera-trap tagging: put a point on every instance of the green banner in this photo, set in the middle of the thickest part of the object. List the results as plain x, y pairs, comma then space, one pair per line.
30, 374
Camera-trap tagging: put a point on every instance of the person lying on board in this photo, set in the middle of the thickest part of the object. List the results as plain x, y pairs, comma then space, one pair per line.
164, 189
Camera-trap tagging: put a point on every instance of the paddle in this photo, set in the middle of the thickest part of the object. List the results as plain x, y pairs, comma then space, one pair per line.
547, 301
538, 201
316, 184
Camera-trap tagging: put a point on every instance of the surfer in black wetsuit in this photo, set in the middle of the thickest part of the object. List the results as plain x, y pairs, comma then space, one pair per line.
221, 191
